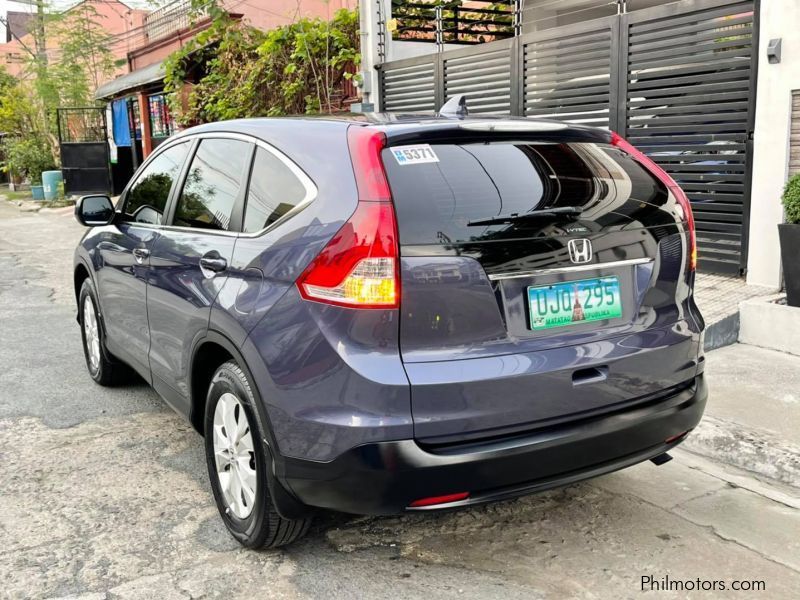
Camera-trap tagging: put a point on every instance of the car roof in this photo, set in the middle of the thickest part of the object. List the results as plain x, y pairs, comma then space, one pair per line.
387, 120
405, 127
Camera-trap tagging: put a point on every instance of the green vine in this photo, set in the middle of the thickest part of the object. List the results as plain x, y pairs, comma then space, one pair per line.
237, 71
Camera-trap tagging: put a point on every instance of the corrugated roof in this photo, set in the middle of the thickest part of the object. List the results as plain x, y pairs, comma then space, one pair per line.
131, 81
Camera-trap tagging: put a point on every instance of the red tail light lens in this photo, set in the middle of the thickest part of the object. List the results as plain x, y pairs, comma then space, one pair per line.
683, 202
365, 147
359, 267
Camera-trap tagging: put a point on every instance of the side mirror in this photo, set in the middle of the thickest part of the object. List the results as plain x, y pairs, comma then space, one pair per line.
94, 210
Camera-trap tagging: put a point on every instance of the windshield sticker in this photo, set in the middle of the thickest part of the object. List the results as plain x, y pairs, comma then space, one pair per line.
413, 155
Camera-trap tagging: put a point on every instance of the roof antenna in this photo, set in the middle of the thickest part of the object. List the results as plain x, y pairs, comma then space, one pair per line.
456, 107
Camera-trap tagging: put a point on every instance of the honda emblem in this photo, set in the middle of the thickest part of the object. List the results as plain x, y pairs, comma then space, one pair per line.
580, 251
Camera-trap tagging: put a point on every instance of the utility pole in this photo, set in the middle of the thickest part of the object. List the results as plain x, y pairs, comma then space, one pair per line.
43, 84
372, 20
40, 41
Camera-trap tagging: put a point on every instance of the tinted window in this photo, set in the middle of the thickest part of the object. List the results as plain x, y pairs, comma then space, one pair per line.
147, 198
212, 184
437, 201
274, 191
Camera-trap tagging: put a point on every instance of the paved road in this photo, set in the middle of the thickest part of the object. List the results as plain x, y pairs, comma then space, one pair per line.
103, 494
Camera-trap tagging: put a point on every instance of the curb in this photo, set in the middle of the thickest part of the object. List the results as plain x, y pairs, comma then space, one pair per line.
753, 450
770, 325
62, 210
722, 333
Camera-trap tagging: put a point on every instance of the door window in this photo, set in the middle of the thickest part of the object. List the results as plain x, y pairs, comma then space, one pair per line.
146, 199
212, 184
274, 191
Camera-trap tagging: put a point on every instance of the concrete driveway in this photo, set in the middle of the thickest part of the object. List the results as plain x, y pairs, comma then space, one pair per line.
104, 494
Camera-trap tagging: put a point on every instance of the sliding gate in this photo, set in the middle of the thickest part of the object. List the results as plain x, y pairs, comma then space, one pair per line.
678, 80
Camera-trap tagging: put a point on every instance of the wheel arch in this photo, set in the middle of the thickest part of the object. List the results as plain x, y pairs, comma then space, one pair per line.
80, 275
207, 356
215, 347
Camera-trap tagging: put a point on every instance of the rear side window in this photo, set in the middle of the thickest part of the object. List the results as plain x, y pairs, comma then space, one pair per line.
437, 200
274, 191
147, 197
212, 184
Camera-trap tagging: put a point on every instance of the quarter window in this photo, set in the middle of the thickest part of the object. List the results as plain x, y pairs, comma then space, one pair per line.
146, 199
212, 184
274, 191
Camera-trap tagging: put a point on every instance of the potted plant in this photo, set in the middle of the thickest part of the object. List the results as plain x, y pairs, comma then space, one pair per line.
29, 156
790, 240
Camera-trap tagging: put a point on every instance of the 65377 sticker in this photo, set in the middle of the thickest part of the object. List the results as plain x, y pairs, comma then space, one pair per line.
414, 155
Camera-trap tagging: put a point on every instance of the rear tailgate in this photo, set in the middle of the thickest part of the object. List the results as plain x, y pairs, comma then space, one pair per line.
504, 326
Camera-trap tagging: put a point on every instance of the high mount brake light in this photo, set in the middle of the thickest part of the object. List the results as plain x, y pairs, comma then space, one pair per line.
359, 267
683, 202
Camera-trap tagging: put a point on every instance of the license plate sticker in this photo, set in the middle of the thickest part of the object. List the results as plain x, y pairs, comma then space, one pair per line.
574, 302
414, 155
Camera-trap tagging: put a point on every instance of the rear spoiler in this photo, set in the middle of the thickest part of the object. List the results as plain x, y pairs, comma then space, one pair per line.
483, 129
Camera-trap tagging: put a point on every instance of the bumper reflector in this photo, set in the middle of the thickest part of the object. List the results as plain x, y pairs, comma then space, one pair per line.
675, 437
433, 500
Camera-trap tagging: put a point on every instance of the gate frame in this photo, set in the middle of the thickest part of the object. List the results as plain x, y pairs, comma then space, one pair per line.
109, 184
618, 76
676, 9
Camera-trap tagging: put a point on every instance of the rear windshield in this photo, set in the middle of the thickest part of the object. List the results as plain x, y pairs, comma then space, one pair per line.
442, 189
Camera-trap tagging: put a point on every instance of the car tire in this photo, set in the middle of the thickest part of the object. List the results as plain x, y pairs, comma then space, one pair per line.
101, 366
237, 464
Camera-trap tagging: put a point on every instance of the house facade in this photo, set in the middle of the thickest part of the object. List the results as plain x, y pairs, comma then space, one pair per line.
689, 81
137, 95
116, 18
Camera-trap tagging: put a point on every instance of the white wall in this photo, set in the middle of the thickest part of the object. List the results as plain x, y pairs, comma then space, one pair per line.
394, 50
779, 19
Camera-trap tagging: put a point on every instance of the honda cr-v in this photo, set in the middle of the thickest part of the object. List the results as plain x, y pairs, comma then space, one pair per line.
393, 314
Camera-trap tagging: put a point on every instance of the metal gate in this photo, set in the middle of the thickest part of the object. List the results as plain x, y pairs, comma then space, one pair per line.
83, 141
678, 80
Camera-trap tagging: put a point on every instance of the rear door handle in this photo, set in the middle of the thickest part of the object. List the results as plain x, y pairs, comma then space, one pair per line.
141, 254
213, 263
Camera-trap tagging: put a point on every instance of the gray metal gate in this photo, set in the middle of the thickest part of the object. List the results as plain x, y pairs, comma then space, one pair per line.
678, 80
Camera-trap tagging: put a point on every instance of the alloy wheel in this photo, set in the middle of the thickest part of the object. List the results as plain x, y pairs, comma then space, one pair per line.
234, 456
91, 333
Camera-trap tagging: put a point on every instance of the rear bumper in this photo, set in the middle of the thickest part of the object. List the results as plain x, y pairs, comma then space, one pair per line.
385, 478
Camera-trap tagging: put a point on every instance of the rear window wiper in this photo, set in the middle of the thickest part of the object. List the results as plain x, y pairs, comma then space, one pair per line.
559, 211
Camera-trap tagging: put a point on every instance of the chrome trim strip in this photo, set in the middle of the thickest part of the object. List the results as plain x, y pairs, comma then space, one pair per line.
576, 268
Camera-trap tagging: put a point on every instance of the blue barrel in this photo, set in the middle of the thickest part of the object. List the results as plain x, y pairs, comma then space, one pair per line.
37, 192
50, 182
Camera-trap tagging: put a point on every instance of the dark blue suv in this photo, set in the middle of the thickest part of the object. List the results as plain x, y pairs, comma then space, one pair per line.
386, 314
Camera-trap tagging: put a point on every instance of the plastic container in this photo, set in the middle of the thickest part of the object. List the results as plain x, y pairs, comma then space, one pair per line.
37, 191
50, 181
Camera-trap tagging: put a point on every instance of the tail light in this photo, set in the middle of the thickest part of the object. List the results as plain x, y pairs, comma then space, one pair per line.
359, 267
684, 205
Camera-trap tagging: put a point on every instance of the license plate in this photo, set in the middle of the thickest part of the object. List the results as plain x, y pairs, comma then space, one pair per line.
574, 302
